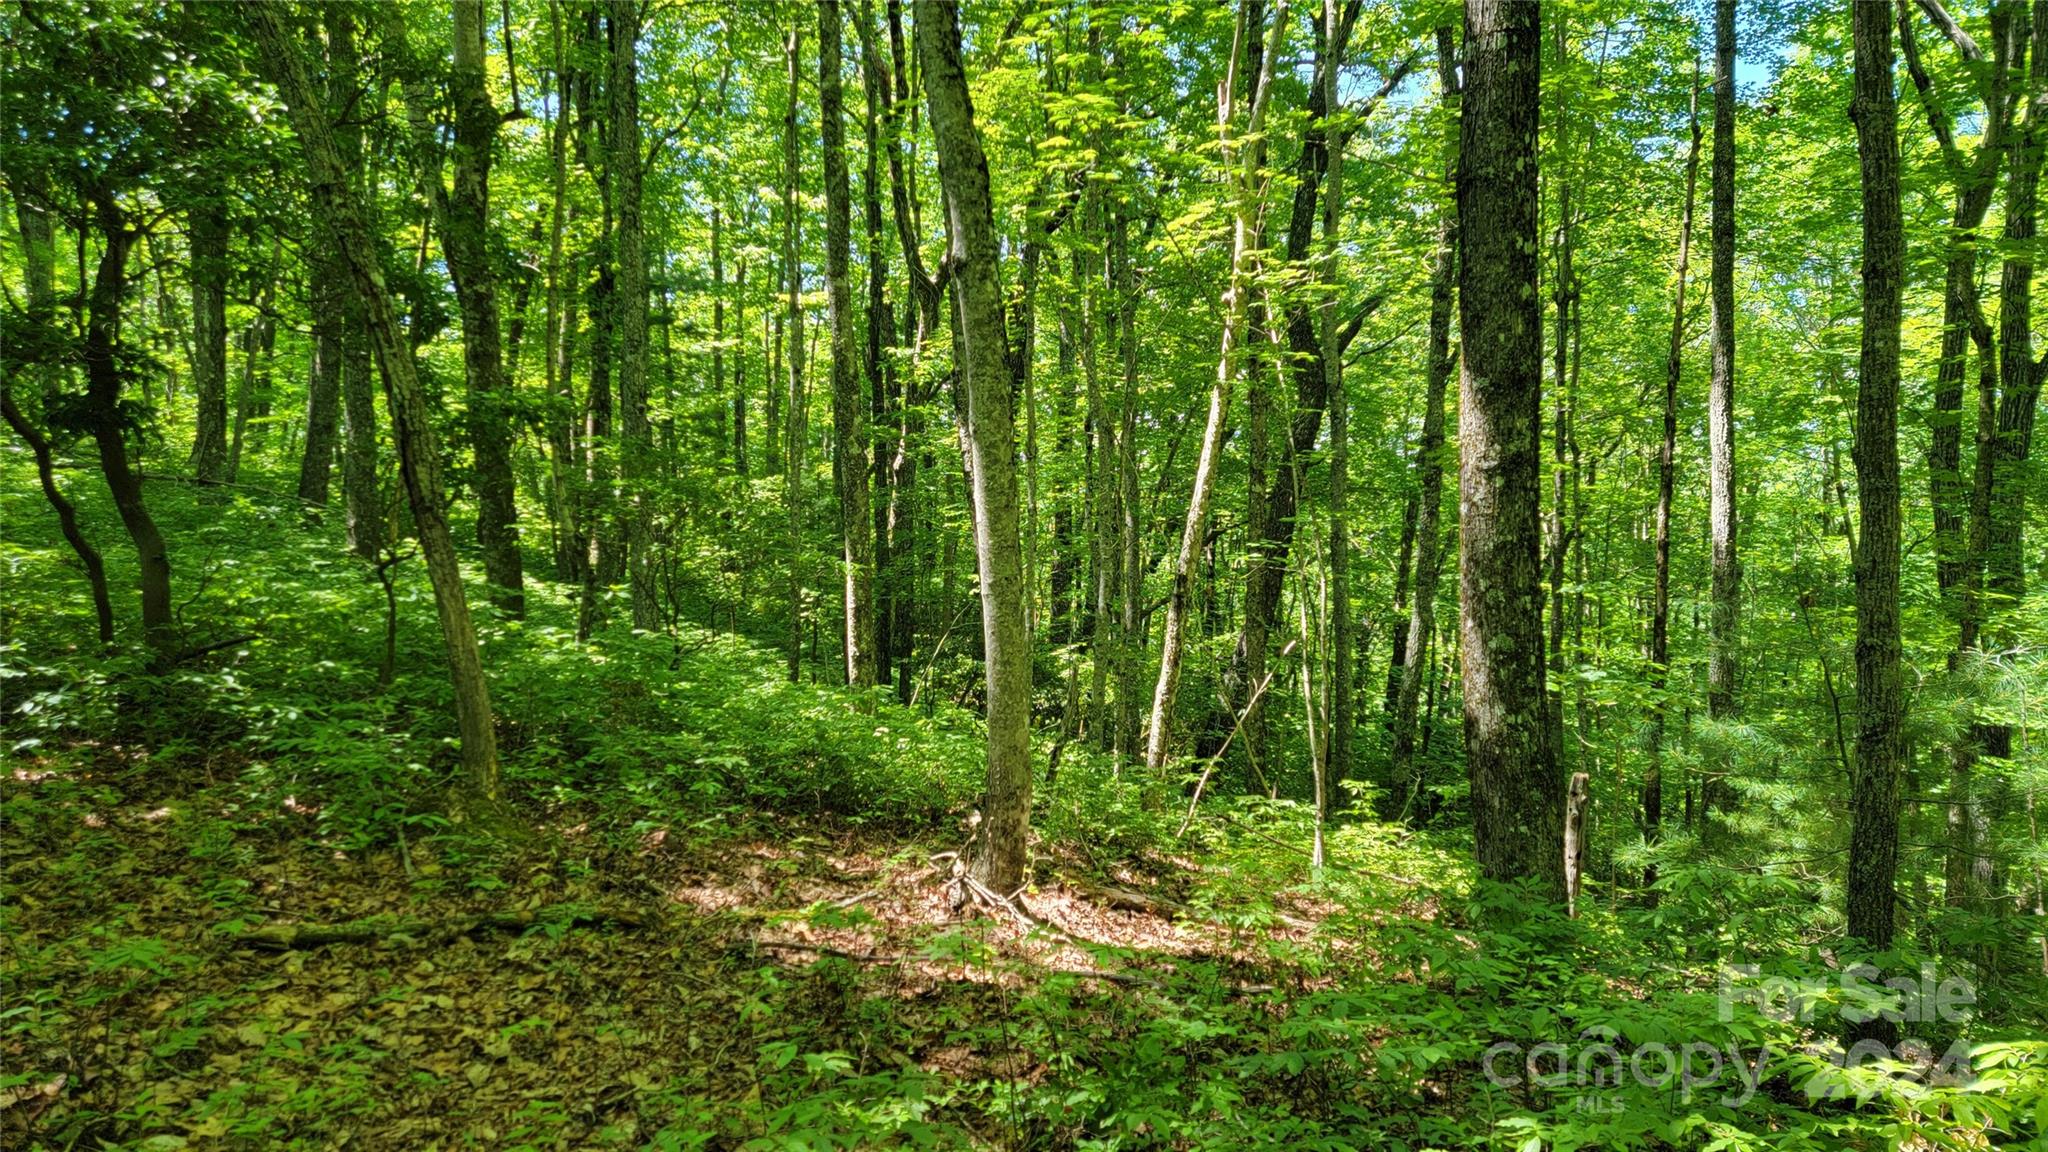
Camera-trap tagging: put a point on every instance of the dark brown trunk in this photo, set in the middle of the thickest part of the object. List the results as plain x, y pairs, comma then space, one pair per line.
849, 407
1880, 689
1517, 794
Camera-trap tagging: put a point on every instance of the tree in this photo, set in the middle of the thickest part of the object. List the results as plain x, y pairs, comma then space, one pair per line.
206, 237
1429, 454
412, 425
1726, 593
623, 159
465, 238
1517, 794
998, 853
1240, 161
1880, 688
849, 423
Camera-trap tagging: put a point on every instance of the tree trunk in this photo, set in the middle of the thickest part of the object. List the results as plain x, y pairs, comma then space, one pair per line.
793, 332
207, 239
1239, 161
323, 383
1667, 473
635, 434
465, 237
1726, 593
412, 424
999, 851
849, 407
1429, 455
1337, 741
1517, 794
1880, 695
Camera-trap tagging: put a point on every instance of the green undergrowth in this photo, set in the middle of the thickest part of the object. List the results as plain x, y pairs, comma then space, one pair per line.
153, 817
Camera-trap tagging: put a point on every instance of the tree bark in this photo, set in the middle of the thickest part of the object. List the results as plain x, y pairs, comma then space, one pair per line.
1667, 473
635, 434
412, 424
849, 407
1726, 591
793, 332
1429, 455
1338, 740
465, 237
1880, 695
1517, 793
1239, 160
999, 850
207, 239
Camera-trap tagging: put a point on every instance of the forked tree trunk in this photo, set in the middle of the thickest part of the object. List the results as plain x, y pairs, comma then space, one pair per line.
412, 422
1517, 793
999, 850
1880, 689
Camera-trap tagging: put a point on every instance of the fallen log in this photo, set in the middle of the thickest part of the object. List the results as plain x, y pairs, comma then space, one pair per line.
288, 937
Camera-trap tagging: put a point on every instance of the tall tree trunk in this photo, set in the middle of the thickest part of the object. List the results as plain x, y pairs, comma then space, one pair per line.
1880, 689
1131, 626
793, 332
635, 434
883, 385
1667, 473
849, 406
1725, 620
259, 343
2005, 568
1517, 793
412, 424
998, 854
563, 496
465, 237
323, 382
1338, 740
207, 238
1238, 159
1272, 529
1429, 455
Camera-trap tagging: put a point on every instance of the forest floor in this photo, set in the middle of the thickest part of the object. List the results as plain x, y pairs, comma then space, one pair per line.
191, 1023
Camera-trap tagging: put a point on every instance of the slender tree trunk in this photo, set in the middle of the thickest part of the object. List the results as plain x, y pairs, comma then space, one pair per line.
635, 435
323, 383
1246, 217
1338, 740
39, 253
849, 407
2020, 374
1429, 455
563, 496
207, 238
1880, 690
1725, 620
419, 457
465, 235
1517, 793
998, 854
884, 389
793, 332
1667, 472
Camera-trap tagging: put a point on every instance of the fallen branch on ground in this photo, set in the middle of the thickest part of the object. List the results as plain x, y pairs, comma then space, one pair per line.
288, 937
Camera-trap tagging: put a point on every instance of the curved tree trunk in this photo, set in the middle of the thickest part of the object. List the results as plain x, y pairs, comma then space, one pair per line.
412, 423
